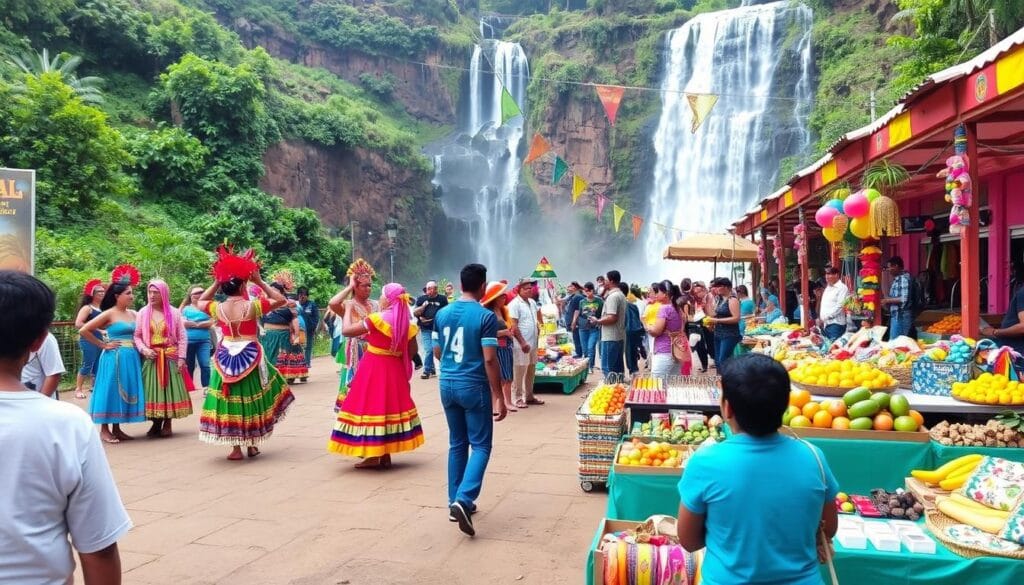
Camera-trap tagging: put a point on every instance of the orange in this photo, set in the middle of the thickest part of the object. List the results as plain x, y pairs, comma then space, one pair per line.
810, 409
837, 408
883, 422
918, 417
841, 422
800, 421
799, 398
822, 419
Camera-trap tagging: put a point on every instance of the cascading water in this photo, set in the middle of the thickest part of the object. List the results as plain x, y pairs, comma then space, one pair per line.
477, 174
757, 58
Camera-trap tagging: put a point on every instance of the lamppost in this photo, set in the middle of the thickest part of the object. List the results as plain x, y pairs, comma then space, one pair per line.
392, 227
352, 237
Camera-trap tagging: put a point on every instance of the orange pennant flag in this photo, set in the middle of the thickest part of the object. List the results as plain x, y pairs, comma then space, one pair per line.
611, 97
578, 187
700, 105
538, 148
617, 213
637, 222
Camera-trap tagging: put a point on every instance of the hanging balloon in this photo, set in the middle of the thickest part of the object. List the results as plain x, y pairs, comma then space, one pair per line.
825, 216
860, 227
872, 194
840, 223
832, 234
857, 205
836, 203
841, 193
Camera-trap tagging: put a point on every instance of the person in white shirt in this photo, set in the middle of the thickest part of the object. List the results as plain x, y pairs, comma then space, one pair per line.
526, 323
44, 367
54, 475
831, 315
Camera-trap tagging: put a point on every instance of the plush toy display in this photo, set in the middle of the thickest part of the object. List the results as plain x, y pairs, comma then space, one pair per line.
958, 191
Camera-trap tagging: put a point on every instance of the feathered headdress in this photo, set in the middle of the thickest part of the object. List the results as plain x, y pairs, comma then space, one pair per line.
91, 286
285, 279
360, 268
125, 274
230, 265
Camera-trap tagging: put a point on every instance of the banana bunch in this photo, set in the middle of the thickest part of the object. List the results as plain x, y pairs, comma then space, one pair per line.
966, 510
951, 475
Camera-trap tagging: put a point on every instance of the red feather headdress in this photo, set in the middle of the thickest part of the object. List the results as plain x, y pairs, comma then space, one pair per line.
90, 286
230, 265
125, 274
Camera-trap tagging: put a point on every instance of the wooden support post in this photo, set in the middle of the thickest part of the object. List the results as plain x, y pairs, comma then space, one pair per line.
755, 275
805, 293
782, 264
970, 278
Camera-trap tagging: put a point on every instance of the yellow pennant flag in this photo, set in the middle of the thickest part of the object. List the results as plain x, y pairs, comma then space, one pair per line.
700, 105
617, 213
578, 187
539, 148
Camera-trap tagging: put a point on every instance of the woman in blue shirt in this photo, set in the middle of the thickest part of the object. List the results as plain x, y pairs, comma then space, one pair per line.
769, 305
740, 518
197, 327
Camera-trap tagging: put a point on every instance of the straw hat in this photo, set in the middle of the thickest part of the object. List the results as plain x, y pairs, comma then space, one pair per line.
494, 288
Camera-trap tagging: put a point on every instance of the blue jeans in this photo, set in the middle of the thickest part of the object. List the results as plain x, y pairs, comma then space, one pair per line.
633, 342
900, 323
427, 346
468, 412
199, 350
589, 339
724, 347
612, 353
834, 331
310, 338
577, 343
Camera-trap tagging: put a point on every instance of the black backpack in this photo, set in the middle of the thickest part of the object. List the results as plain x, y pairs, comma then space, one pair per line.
916, 297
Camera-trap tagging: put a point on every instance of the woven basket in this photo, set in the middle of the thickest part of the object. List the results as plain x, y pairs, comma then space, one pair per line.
833, 390
937, 522
904, 376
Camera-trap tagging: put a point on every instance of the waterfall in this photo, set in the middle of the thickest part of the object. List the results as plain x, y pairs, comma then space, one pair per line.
757, 58
477, 174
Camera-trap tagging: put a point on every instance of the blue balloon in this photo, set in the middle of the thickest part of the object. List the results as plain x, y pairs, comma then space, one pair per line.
835, 203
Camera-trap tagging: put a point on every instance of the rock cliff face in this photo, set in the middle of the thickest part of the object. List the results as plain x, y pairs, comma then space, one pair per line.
344, 185
578, 131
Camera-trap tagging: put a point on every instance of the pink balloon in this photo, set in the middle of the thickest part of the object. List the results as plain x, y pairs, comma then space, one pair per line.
856, 205
825, 215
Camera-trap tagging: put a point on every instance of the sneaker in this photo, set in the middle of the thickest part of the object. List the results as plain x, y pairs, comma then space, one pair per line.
426, 375
452, 518
462, 517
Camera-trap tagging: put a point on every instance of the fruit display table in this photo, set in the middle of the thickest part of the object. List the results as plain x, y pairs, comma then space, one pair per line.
567, 384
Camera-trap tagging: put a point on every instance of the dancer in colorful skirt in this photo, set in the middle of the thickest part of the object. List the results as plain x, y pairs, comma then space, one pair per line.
279, 328
352, 312
247, 395
88, 309
378, 417
117, 396
291, 361
161, 339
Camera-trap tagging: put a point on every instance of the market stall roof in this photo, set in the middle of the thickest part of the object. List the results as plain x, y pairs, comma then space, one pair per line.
712, 247
918, 134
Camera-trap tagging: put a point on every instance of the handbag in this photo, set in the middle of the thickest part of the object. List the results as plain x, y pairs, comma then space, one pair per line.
680, 347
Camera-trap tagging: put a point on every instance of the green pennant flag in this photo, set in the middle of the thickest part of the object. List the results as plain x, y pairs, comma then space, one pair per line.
561, 167
509, 107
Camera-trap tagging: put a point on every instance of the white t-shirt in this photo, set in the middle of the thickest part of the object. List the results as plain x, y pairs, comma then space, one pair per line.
55, 482
526, 313
43, 364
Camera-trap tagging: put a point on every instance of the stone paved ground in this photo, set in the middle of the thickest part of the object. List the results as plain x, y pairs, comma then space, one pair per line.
299, 515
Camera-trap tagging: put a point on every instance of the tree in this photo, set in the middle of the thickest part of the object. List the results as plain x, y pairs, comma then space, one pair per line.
78, 157
64, 65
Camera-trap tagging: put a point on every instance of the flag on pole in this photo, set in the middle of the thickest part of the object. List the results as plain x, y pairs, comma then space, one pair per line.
538, 148
611, 97
617, 213
559, 171
637, 222
578, 187
509, 107
700, 105
601, 200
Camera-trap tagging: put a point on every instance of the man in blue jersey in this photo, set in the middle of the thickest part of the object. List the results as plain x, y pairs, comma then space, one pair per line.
465, 345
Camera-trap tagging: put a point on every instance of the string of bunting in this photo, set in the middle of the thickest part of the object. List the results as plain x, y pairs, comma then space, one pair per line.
611, 98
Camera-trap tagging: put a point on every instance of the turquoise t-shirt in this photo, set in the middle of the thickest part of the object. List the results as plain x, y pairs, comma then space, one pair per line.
762, 499
191, 313
462, 329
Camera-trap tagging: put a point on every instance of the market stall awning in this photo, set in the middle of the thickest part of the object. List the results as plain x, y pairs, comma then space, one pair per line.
712, 248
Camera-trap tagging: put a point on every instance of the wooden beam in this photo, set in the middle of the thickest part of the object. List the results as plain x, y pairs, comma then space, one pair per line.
805, 293
970, 278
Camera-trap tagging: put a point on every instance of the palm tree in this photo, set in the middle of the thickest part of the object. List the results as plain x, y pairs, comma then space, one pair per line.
31, 63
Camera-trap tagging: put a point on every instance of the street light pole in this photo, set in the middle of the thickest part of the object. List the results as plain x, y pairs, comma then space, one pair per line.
392, 227
352, 238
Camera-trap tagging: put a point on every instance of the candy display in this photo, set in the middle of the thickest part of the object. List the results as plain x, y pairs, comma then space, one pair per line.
647, 554
675, 390
680, 428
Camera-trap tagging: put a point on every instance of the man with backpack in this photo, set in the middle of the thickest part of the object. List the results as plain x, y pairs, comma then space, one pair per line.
634, 333
900, 300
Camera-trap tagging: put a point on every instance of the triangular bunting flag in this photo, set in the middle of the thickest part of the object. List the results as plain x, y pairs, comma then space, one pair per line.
611, 97
509, 107
578, 187
544, 270
559, 171
637, 222
700, 105
539, 148
601, 200
662, 228
617, 213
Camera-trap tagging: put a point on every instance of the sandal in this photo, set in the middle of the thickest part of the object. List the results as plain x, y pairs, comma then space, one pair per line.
111, 440
521, 404
535, 401
511, 408
253, 451
79, 395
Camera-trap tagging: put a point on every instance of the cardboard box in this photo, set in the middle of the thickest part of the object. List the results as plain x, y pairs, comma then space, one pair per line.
937, 378
920, 436
641, 470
